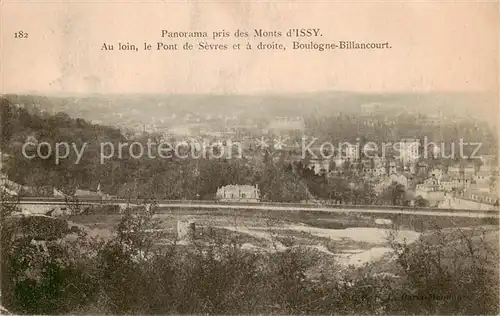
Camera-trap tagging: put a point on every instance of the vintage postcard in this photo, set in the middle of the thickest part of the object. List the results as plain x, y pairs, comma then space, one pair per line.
249, 157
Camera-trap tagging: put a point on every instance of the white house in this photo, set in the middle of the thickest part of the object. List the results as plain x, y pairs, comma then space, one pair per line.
238, 193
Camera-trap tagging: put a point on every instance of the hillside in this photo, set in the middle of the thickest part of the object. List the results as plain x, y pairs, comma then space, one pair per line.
104, 107
124, 175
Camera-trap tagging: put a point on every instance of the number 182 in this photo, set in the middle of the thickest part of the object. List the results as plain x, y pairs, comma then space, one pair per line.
20, 34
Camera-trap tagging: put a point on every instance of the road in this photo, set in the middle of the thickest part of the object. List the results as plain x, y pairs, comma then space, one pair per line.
33, 205
457, 213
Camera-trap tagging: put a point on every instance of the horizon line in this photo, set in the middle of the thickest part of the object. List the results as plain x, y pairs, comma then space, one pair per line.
263, 93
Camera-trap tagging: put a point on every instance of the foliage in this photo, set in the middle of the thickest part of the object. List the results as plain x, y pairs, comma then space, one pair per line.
394, 194
421, 202
124, 176
448, 272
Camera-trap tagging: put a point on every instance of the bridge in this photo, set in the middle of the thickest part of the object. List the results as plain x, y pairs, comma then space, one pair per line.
43, 205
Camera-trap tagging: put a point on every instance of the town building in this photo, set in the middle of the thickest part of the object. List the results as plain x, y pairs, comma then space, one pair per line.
431, 191
482, 180
461, 176
480, 185
436, 173
409, 151
471, 200
368, 167
283, 124
11, 187
435, 151
352, 152
446, 183
454, 171
484, 197
391, 167
377, 167
421, 168
469, 171
339, 161
489, 162
238, 193
319, 166
86, 194
461, 183
411, 180
484, 173
379, 171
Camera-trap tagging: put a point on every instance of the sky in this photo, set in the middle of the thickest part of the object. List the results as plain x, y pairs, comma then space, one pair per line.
436, 46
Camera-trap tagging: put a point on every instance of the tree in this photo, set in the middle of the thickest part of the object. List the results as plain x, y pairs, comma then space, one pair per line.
395, 194
421, 202
6, 120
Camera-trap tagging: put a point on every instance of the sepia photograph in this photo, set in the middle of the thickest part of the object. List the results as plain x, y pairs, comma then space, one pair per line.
249, 158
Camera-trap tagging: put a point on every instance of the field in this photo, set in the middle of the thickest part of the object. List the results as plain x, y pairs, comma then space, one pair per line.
273, 262
347, 239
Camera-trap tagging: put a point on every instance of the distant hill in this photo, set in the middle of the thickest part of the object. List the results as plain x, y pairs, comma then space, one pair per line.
20, 124
110, 109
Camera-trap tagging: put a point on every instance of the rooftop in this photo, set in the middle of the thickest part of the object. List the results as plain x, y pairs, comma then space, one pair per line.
79, 192
236, 187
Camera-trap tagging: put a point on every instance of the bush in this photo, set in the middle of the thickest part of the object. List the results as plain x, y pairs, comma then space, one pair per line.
38, 227
451, 272
447, 272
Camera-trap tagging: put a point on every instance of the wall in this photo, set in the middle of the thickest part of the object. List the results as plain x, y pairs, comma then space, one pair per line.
38, 208
240, 200
185, 230
61, 208
464, 204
